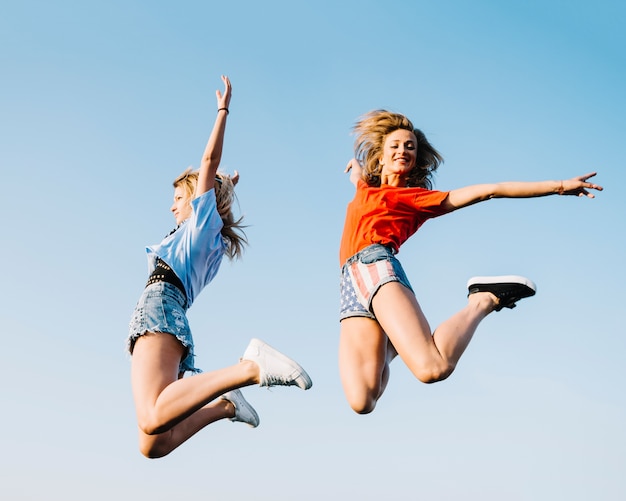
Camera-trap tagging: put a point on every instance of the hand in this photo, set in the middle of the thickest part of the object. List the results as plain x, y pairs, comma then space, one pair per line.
223, 100
578, 186
353, 164
355, 169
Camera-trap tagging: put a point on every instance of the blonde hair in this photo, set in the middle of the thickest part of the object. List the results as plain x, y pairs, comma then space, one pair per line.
372, 129
232, 231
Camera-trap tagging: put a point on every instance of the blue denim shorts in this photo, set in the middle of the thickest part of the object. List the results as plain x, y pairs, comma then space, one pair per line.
361, 277
163, 308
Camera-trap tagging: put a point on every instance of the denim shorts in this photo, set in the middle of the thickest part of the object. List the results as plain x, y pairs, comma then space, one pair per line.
163, 308
361, 277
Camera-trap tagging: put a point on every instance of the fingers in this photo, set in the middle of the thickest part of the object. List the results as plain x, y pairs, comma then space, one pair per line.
587, 176
352, 163
235, 178
589, 185
223, 98
581, 191
227, 86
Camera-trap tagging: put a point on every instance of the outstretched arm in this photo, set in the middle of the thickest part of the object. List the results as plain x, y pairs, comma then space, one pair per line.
470, 195
213, 151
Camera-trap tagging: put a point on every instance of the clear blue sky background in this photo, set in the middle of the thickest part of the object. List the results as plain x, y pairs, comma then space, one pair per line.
104, 103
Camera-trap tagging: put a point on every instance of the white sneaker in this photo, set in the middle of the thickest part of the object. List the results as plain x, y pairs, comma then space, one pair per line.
244, 412
275, 368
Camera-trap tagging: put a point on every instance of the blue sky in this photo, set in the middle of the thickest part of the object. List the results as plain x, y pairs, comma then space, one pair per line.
104, 103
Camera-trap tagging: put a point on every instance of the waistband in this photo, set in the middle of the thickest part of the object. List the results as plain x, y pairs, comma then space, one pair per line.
163, 273
385, 249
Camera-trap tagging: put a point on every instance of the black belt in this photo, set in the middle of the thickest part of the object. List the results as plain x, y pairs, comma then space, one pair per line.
163, 273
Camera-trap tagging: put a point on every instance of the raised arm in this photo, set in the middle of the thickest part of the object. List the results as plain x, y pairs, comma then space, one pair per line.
213, 151
355, 170
470, 195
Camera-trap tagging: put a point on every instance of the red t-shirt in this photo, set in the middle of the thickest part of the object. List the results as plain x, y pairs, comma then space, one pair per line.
387, 215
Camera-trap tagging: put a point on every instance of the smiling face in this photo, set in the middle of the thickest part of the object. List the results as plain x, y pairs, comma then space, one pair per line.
182, 204
398, 159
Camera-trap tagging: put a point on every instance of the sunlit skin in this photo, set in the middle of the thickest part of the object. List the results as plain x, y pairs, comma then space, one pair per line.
398, 160
367, 346
171, 409
181, 208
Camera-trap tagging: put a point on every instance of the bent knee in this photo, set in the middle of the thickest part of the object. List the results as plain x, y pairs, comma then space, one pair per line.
150, 426
434, 373
363, 403
363, 407
155, 446
153, 450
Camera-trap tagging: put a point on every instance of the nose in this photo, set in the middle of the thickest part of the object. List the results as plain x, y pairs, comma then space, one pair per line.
173, 207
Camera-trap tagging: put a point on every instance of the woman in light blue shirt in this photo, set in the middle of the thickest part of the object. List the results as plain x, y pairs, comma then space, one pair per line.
170, 409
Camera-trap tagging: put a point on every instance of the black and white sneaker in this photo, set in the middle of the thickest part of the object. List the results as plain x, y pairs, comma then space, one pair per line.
507, 288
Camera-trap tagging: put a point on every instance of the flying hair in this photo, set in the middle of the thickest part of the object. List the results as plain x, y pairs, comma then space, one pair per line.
371, 130
225, 197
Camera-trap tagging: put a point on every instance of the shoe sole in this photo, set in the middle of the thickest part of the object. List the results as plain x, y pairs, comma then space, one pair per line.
502, 279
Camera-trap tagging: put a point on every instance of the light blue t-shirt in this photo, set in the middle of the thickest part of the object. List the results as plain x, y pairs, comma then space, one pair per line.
195, 250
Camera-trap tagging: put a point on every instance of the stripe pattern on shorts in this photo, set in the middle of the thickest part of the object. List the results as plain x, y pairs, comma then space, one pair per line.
367, 277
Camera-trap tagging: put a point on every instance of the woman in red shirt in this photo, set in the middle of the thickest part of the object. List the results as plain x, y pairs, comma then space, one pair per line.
380, 315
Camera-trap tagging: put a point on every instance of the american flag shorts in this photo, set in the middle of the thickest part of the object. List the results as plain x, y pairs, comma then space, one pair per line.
362, 276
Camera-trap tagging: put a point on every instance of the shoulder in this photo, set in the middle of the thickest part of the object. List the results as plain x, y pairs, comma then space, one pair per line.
208, 197
420, 197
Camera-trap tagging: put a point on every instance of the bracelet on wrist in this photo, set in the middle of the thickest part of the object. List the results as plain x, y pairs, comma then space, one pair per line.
224, 109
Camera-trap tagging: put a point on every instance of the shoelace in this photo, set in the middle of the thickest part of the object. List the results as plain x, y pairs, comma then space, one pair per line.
508, 299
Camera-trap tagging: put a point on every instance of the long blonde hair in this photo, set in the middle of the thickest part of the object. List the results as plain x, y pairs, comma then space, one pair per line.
232, 231
372, 129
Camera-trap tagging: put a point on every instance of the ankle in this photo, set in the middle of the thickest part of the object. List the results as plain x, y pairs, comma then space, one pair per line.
484, 301
229, 408
252, 371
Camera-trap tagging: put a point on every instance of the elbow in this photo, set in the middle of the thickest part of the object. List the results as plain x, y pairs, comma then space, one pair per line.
212, 158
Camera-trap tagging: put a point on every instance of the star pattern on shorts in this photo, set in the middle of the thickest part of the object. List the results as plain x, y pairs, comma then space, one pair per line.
349, 300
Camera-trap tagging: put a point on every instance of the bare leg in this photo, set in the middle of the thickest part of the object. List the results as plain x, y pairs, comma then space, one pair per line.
367, 346
170, 409
156, 446
363, 362
430, 357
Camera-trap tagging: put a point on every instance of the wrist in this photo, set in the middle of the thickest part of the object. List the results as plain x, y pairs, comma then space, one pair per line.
223, 109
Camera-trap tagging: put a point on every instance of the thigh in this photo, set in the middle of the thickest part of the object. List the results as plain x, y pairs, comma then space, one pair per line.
362, 354
403, 321
154, 365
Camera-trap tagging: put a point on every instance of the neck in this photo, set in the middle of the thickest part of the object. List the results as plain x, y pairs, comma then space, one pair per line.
393, 180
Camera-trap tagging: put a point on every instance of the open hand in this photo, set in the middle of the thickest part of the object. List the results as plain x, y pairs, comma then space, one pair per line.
579, 186
223, 100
